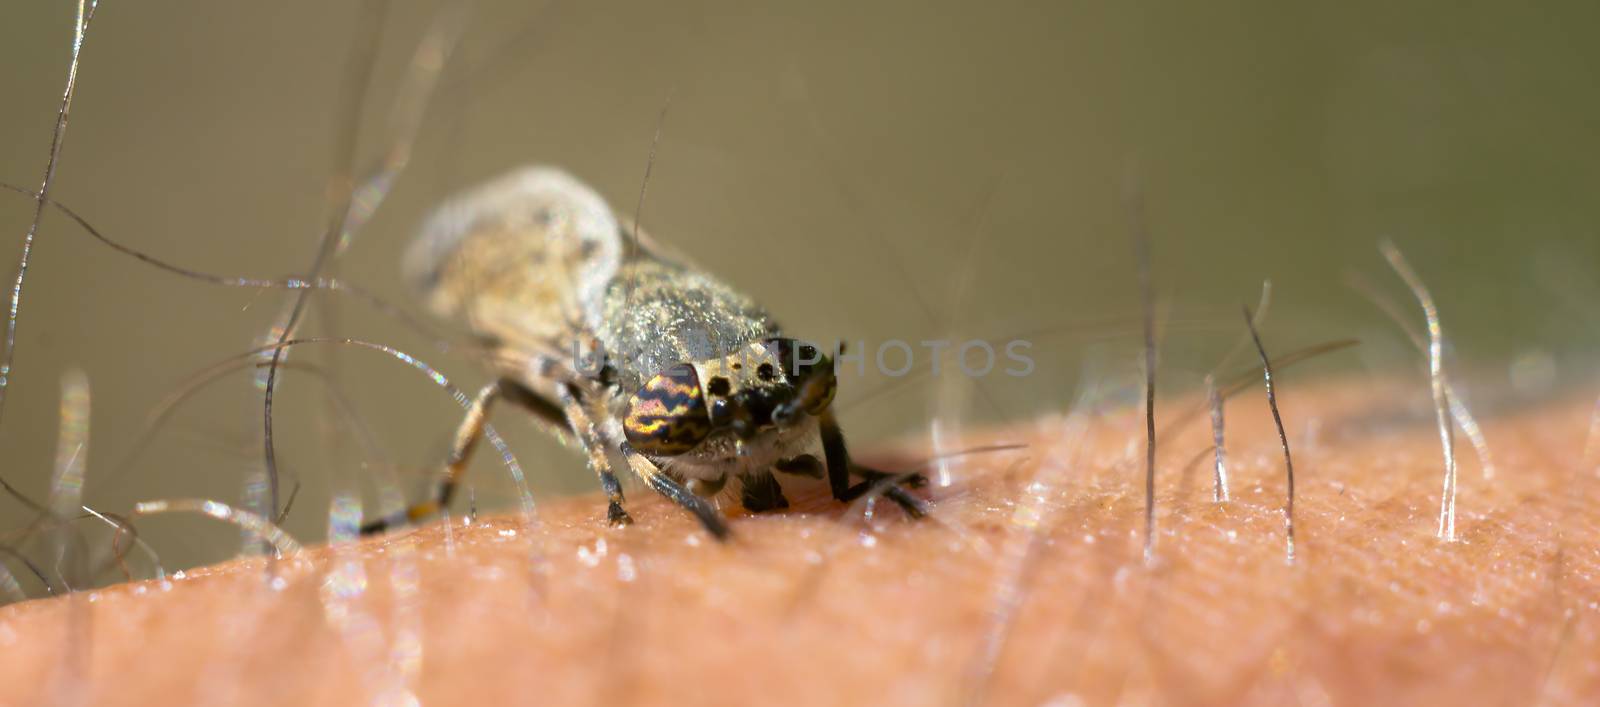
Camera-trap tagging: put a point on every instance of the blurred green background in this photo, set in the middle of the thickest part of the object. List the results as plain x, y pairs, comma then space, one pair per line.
849, 164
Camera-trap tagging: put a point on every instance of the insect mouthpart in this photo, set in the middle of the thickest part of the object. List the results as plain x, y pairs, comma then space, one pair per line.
782, 390
748, 412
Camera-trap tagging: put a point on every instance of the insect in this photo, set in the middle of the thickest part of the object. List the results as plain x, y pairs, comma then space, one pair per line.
625, 349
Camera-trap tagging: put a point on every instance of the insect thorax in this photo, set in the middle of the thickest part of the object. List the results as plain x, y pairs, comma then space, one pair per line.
655, 314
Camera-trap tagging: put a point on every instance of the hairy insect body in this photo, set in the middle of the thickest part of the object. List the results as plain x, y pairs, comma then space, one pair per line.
524, 259
666, 313
628, 350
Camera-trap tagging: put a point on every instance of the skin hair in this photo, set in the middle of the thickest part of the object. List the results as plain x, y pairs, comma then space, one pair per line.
1025, 586
1034, 581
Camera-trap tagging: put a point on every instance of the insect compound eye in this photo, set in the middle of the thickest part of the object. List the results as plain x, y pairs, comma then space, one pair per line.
667, 416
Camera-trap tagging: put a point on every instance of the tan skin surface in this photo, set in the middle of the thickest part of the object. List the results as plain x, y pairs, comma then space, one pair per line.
1026, 585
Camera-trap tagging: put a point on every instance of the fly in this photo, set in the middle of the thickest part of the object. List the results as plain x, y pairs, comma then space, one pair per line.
628, 351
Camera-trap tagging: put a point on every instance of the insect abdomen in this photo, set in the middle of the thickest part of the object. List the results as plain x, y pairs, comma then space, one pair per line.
521, 256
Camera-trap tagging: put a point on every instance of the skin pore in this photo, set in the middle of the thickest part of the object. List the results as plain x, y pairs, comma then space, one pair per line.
1026, 585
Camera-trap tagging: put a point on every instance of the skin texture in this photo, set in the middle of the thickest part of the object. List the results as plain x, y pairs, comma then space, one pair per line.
1026, 586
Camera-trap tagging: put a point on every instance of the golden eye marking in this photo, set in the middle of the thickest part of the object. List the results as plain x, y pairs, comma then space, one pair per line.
668, 414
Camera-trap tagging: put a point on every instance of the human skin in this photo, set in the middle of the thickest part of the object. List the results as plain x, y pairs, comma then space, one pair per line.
1027, 585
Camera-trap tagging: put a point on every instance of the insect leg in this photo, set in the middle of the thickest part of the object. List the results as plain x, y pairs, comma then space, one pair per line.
466, 440
836, 456
760, 492
595, 450
839, 469
664, 485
